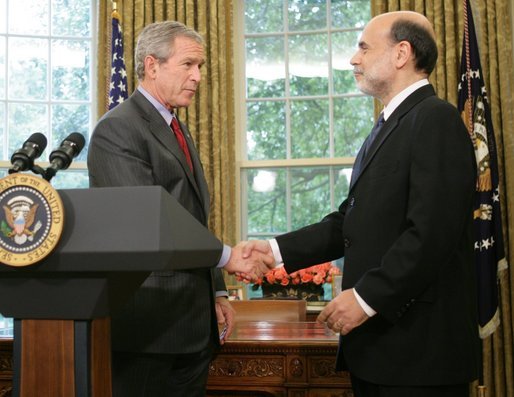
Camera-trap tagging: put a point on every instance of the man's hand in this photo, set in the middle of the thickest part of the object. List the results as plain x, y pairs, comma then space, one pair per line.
225, 314
343, 313
251, 266
257, 245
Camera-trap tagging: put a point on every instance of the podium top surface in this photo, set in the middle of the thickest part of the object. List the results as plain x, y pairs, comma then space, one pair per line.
127, 229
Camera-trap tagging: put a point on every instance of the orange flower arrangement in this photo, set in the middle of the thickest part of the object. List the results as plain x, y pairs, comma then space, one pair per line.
317, 274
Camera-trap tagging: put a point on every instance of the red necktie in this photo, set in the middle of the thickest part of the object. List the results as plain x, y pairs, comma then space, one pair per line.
175, 126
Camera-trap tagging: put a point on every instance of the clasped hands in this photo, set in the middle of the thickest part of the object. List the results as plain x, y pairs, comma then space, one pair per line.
250, 260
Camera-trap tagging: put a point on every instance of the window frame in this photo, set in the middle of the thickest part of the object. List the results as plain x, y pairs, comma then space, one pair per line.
242, 163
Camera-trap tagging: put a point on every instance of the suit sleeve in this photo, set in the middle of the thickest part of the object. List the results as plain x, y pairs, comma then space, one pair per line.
314, 244
219, 281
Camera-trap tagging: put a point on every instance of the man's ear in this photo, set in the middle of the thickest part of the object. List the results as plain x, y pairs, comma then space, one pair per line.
404, 53
151, 65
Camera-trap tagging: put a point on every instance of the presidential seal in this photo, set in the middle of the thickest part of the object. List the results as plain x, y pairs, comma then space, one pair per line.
31, 219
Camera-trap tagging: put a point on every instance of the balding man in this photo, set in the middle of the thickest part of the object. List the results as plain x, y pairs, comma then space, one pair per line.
407, 312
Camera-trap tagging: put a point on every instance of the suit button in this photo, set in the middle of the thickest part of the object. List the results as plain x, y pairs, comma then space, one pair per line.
347, 242
352, 201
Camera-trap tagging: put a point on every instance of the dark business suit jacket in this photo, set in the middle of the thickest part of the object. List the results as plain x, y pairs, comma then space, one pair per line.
173, 311
405, 231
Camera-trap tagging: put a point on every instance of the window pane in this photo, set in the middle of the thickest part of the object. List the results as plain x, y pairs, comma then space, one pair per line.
71, 18
310, 196
2, 132
266, 130
71, 179
67, 119
70, 70
307, 14
266, 206
265, 67
264, 16
350, 13
2, 67
353, 120
28, 64
342, 178
344, 45
310, 128
6, 327
308, 64
22, 126
3, 15
28, 17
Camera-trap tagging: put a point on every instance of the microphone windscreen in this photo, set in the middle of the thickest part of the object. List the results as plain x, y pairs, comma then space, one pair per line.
39, 139
78, 139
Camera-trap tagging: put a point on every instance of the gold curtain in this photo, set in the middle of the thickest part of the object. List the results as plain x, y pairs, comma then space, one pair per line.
210, 117
493, 26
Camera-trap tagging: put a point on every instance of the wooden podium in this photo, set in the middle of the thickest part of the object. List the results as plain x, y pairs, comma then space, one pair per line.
113, 238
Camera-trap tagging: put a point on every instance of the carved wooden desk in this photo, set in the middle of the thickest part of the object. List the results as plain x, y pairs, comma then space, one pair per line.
6, 367
278, 359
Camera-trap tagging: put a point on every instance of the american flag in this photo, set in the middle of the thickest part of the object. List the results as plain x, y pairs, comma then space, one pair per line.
118, 84
489, 250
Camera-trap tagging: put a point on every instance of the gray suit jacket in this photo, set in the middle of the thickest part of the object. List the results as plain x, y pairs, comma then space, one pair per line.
172, 312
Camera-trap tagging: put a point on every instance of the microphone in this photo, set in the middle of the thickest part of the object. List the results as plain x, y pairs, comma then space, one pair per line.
23, 159
61, 158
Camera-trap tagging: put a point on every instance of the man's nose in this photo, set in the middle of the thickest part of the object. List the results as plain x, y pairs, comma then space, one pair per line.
354, 60
196, 75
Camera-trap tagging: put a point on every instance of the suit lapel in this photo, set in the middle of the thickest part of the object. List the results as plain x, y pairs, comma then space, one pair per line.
389, 127
163, 133
198, 175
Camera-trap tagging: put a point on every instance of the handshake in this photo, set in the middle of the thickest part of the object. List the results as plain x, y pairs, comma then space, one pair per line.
251, 259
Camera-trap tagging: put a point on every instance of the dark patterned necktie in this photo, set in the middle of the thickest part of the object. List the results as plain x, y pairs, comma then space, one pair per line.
359, 161
373, 134
175, 126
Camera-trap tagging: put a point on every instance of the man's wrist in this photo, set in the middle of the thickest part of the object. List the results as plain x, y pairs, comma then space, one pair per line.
275, 249
225, 256
367, 308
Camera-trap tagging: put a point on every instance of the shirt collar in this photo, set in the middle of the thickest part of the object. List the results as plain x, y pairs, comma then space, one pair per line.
400, 97
164, 112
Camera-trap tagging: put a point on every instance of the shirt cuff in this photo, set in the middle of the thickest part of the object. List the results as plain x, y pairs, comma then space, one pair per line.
369, 311
225, 256
276, 253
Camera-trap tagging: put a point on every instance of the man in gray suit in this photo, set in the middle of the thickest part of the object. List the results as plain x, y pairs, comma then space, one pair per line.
164, 338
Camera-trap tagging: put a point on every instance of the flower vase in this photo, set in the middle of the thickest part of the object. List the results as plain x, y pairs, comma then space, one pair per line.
307, 291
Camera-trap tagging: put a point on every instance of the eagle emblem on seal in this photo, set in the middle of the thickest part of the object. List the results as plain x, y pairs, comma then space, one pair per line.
20, 213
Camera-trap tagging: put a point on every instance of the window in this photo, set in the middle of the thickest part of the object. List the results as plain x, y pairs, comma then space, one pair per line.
46, 78
302, 118
46, 82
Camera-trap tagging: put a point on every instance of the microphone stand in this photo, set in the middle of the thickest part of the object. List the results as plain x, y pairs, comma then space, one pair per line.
36, 169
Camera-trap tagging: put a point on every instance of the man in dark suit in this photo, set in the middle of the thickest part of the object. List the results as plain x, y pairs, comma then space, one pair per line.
407, 312
164, 337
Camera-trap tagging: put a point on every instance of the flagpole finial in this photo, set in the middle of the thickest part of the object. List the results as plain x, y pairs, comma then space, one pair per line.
115, 13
